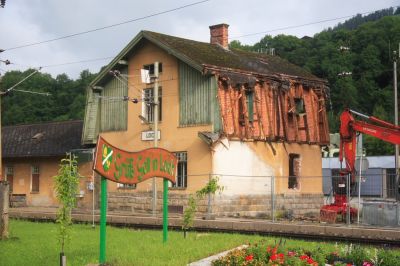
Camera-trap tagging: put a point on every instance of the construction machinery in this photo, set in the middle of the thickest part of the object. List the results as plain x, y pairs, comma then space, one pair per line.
349, 128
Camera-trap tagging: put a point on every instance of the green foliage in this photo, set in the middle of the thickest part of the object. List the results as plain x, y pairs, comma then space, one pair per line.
371, 39
264, 253
66, 102
66, 185
188, 215
210, 188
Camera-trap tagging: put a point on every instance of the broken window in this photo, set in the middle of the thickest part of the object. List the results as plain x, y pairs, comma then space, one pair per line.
294, 171
35, 179
148, 104
299, 102
150, 68
250, 104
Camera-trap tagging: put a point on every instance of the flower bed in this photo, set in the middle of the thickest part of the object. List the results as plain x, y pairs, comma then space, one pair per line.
278, 254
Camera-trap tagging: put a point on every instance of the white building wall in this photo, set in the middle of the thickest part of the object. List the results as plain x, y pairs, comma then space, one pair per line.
240, 170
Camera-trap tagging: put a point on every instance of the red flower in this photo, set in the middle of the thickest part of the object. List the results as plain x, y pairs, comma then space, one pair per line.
274, 250
303, 257
273, 257
291, 253
310, 261
249, 257
281, 258
367, 263
349, 264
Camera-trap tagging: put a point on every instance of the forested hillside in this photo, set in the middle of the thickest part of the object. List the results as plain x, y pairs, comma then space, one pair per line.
371, 41
66, 100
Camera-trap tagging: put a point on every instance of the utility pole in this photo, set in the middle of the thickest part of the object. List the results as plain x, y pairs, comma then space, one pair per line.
4, 191
156, 107
396, 122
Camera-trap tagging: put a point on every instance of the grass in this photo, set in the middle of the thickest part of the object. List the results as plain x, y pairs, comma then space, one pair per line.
33, 243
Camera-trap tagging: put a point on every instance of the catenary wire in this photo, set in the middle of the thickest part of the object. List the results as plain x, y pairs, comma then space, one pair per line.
108, 26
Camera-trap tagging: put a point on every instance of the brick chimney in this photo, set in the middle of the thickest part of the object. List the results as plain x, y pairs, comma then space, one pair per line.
219, 35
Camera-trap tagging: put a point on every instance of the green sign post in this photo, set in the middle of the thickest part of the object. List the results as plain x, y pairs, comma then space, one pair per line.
131, 168
165, 211
103, 220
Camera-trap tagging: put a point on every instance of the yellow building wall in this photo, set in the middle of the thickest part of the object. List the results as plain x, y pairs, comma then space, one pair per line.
173, 137
48, 168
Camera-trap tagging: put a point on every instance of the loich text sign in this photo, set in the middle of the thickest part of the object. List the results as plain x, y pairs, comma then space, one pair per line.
133, 167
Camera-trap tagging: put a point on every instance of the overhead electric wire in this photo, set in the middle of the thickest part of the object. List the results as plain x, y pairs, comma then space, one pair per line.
108, 26
78, 62
303, 25
34, 92
19, 82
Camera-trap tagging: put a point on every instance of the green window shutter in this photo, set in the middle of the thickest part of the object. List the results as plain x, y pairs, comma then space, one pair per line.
90, 126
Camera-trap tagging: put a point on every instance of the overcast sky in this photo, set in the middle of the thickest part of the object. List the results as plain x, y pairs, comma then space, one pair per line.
28, 21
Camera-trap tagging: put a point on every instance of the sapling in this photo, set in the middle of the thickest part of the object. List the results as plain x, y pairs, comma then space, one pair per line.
66, 185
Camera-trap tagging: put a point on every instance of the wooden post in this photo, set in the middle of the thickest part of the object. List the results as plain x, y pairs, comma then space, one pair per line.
4, 194
4, 202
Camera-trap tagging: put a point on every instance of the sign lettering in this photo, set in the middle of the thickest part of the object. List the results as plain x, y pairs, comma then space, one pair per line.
133, 167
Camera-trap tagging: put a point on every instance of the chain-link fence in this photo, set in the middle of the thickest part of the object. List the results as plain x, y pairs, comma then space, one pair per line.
369, 200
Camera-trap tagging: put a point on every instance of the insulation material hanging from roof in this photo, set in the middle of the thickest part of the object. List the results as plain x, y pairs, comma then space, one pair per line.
272, 111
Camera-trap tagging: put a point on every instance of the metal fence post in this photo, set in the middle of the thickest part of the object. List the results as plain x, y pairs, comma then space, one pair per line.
209, 200
273, 198
348, 200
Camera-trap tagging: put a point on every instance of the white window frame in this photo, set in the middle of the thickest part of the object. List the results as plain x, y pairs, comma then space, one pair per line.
181, 180
126, 186
9, 170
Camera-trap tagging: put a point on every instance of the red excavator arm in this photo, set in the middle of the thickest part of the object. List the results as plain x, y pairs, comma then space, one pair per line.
349, 127
348, 130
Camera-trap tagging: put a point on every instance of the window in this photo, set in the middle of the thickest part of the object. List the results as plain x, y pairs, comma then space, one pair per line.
150, 68
126, 186
299, 102
10, 176
35, 179
250, 104
294, 171
181, 178
148, 104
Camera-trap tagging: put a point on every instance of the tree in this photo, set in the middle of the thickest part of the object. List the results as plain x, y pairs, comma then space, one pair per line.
66, 186
66, 102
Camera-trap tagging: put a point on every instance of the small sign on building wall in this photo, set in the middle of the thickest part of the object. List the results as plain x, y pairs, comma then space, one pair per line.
149, 135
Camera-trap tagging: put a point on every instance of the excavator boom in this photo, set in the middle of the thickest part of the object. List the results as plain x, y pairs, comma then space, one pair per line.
349, 127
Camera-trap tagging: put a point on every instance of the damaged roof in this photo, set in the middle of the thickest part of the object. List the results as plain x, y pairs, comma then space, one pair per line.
201, 55
41, 140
